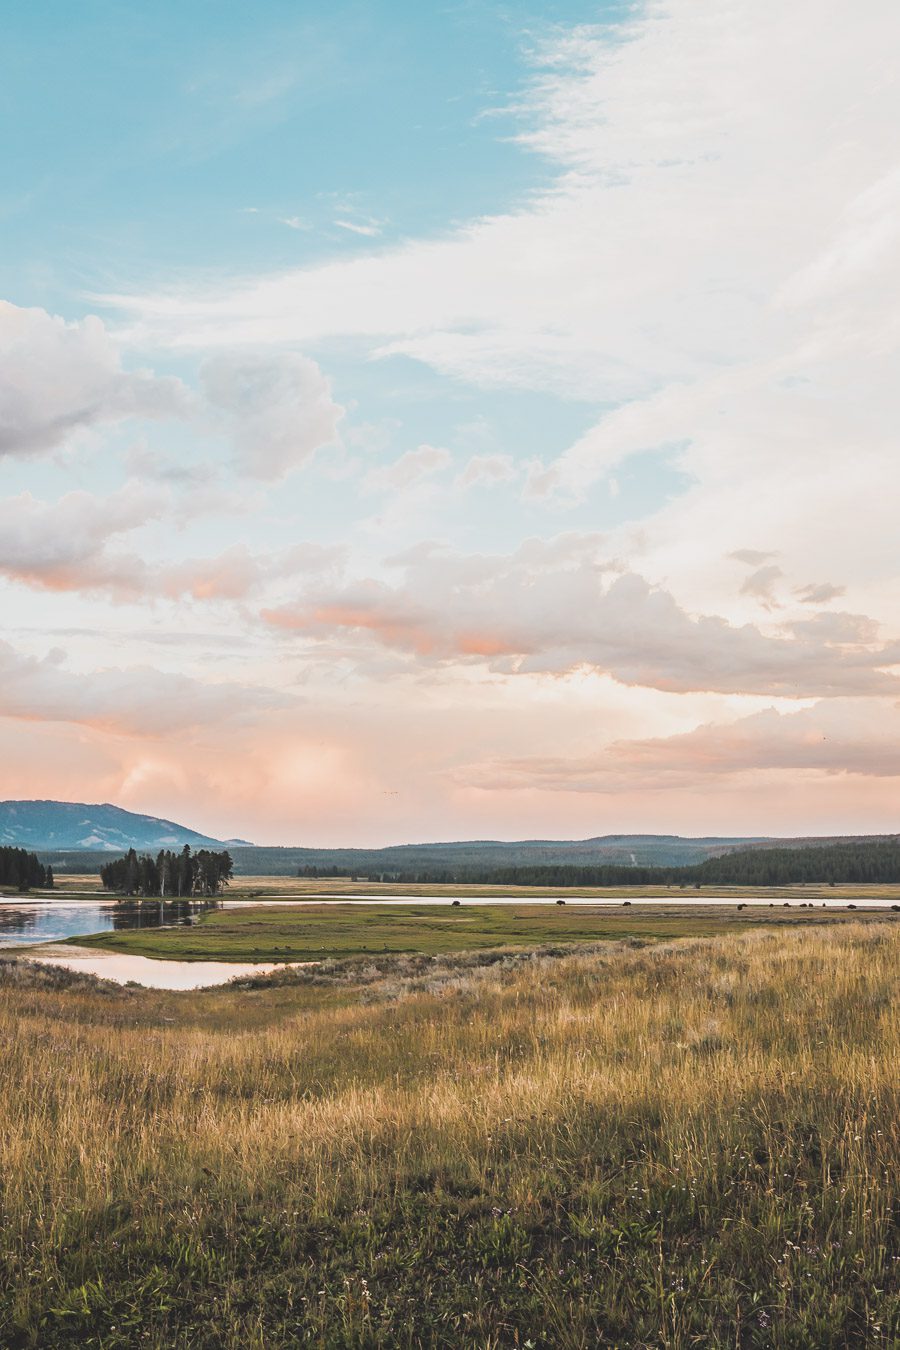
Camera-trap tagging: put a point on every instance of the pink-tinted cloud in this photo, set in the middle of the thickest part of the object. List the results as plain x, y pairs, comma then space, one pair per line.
65, 546
61, 546
139, 701
841, 737
556, 608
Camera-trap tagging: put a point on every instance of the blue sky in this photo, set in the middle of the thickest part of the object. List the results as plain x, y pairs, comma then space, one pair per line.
150, 138
420, 422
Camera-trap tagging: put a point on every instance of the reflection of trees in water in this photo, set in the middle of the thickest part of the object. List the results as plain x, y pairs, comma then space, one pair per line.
17, 920
155, 913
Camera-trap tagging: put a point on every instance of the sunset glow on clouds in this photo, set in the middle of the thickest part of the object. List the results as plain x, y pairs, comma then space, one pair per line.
468, 430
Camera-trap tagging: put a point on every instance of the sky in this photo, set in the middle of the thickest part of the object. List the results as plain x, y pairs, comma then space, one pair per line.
456, 421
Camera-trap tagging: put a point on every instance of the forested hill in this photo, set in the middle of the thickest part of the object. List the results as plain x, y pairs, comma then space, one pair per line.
848, 861
872, 861
647, 850
878, 860
658, 850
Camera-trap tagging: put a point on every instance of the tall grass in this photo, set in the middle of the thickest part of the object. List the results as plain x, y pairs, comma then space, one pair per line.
689, 1145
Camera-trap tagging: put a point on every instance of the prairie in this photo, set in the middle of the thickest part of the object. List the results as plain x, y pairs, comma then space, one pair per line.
689, 1143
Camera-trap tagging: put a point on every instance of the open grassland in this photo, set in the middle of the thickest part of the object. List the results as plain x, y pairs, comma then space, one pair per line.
262, 887
675, 1145
317, 932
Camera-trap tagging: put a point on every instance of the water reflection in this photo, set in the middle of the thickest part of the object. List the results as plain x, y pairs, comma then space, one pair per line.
16, 919
156, 913
25, 921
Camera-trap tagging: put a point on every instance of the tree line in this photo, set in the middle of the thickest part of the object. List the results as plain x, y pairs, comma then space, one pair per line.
203, 873
826, 864
23, 870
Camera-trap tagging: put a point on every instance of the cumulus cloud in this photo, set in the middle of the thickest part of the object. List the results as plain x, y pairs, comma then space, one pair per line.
61, 546
140, 701
57, 378
278, 409
559, 607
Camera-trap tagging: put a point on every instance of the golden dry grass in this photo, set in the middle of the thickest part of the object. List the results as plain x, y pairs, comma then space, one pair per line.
680, 1145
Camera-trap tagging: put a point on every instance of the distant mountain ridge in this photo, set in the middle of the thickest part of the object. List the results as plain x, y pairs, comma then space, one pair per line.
94, 827
647, 850
77, 836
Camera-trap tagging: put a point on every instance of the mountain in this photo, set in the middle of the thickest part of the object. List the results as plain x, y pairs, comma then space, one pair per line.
103, 828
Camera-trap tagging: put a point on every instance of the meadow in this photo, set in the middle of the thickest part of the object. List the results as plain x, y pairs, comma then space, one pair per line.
678, 1144
330, 930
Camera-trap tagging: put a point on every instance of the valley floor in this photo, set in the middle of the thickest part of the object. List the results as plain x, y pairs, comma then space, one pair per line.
330, 930
690, 1143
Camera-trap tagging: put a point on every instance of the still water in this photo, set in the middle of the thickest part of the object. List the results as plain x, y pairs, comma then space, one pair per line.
26, 921
150, 973
23, 922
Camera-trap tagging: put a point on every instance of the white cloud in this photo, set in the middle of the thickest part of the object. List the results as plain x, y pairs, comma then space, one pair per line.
487, 469
409, 469
277, 407
369, 229
59, 378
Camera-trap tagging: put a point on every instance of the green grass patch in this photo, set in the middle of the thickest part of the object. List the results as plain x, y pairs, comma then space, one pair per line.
318, 932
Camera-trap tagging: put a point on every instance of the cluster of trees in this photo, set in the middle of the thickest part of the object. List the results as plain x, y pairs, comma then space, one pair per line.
168, 874
23, 870
846, 862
